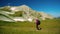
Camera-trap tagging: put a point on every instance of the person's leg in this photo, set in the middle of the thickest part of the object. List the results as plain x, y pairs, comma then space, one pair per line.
37, 27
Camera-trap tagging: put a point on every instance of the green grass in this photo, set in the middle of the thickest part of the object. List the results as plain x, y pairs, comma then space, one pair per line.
48, 27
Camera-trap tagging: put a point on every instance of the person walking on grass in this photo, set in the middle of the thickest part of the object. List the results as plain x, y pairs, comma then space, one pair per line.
37, 21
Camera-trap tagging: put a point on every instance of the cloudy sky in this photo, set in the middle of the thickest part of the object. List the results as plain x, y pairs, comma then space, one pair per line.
48, 6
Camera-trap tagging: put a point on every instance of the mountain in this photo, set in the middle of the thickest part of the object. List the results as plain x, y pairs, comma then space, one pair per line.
24, 11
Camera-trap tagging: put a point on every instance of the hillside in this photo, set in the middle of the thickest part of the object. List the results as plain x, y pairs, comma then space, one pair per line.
24, 11
48, 27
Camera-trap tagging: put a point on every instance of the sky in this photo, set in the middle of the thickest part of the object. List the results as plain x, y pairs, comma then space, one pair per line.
51, 7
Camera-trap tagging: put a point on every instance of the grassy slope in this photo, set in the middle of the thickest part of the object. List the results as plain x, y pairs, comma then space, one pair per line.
48, 27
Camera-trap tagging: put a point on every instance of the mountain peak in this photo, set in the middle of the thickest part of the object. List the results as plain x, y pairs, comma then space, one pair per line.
24, 6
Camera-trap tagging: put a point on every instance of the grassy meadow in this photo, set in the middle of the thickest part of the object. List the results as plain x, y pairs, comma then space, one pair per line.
48, 27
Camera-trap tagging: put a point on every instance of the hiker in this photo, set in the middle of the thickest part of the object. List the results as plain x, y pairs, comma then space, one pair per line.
37, 21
